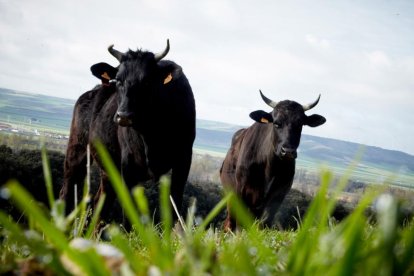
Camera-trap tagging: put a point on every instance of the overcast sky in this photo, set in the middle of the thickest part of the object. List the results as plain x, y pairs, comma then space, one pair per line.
358, 54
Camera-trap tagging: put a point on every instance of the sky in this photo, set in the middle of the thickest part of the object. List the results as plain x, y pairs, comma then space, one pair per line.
359, 55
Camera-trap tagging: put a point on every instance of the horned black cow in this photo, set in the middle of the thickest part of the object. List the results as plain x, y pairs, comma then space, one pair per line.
145, 117
260, 164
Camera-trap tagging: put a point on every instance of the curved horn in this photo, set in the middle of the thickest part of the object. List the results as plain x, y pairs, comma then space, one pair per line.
312, 105
268, 101
160, 56
117, 54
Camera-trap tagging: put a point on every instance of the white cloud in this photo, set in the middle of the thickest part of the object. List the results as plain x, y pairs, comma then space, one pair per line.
379, 58
318, 43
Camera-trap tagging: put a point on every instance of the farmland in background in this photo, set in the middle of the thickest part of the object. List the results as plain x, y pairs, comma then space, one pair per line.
27, 120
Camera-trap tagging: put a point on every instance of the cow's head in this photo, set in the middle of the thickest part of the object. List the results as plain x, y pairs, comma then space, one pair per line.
138, 78
287, 119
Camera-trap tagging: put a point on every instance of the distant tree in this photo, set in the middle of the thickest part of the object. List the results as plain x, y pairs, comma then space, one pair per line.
26, 167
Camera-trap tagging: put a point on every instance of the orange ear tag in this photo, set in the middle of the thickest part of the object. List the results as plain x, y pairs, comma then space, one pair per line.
168, 78
105, 76
263, 120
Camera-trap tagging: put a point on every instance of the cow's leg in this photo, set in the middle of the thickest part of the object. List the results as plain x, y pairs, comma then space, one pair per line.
230, 222
179, 176
273, 204
110, 209
134, 169
74, 173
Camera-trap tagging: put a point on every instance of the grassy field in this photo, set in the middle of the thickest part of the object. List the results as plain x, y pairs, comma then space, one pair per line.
63, 245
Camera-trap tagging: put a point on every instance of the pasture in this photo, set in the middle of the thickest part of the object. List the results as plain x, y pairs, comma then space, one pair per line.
378, 244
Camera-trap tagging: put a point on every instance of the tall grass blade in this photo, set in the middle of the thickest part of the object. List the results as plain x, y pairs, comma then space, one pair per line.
165, 208
121, 242
95, 218
48, 178
147, 235
188, 227
406, 263
315, 218
239, 211
141, 200
180, 219
118, 184
20, 196
215, 212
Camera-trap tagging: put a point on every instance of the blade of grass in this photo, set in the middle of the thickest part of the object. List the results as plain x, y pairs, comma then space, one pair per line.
315, 218
215, 212
96, 212
165, 208
48, 178
121, 242
141, 200
20, 196
148, 237
406, 259
180, 219
239, 211
118, 184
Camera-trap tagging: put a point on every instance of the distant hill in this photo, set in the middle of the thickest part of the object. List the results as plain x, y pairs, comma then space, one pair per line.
46, 112
40, 111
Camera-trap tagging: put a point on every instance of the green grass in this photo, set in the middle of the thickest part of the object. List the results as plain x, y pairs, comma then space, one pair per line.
321, 246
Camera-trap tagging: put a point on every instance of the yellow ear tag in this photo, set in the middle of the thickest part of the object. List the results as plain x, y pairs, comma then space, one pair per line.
168, 78
263, 120
105, 76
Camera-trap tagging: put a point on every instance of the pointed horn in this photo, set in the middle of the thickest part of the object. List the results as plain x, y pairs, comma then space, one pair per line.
312, 105
160, 56
117, 54
268, 101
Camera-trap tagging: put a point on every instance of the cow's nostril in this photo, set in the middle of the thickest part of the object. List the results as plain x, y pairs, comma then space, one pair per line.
283, 151
123, 118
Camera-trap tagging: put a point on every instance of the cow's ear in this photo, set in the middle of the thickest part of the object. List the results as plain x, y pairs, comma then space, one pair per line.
261, 116
169, 71
104, 71
315, 120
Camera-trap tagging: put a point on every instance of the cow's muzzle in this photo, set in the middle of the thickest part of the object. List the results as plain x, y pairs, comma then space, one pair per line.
123, 118
286, 153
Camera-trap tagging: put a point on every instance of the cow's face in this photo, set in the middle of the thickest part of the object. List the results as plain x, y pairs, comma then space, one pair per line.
287, 120
135, 80
137, 77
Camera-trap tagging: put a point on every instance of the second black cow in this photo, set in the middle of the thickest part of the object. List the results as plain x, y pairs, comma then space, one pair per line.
144, 116
260, 164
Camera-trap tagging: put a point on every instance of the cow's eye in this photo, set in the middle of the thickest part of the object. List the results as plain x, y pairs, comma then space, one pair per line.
277, 125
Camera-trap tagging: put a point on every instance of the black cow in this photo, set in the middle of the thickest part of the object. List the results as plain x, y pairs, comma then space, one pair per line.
260, 164
145, 117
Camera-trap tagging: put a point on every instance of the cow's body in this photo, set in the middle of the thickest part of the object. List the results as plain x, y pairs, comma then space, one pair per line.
260, 164
147, 125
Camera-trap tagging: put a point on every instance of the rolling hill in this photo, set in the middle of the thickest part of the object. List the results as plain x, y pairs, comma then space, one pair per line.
40, 112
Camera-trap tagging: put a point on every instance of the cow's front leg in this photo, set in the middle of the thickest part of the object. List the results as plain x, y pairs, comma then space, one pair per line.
74, 174
180, 171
